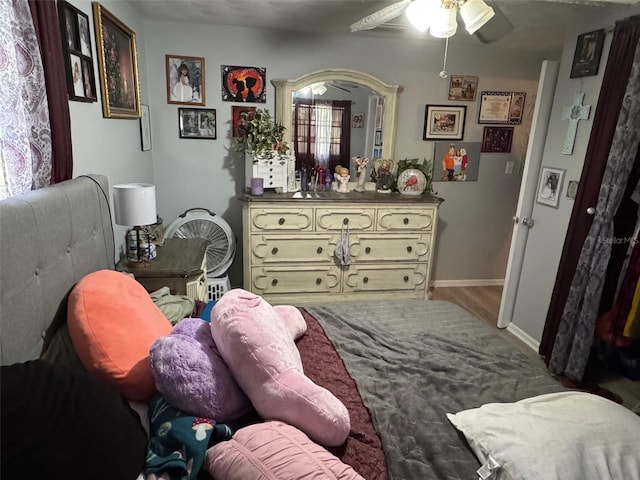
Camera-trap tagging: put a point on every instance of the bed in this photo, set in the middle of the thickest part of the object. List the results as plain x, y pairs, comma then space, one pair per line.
424, 382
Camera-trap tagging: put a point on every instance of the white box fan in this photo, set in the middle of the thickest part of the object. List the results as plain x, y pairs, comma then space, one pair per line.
203, 223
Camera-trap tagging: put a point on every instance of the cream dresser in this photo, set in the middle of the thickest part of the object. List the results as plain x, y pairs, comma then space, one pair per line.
289, 242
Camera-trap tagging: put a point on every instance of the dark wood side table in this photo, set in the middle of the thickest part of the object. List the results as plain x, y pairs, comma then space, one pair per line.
180, 264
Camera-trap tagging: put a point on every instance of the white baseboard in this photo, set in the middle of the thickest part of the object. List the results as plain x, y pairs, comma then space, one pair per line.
524, 337
487, 282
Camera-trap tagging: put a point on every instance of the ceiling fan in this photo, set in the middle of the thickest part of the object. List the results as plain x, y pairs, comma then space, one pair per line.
484, 19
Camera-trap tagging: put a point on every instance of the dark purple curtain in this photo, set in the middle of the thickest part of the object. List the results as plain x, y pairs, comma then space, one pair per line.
45, 22
614, 84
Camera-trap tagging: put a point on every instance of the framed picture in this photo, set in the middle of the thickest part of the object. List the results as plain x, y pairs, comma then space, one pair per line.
379, 115
197, 123
550, 186
118, 62
378, 138
236, 116
501, 107
145, 128
185, 80
76, 43
463, 88
244, 84
586, 58
443, 122
358, 120
497, 139
456, 161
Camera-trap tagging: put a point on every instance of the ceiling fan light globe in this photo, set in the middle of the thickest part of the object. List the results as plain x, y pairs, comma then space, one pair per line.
419, 14
475, 14
444, 23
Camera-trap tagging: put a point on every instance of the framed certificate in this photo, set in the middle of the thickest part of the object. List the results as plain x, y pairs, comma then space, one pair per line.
501, 107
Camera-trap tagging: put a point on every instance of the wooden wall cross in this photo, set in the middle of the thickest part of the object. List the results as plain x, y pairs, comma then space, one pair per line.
574, 113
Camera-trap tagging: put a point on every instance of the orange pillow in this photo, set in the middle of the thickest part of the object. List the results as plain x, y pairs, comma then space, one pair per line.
113, 322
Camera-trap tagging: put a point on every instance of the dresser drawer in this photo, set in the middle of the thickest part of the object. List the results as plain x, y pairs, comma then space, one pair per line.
277, 248
399, 277
295, 279
405, 219
375, 247
282, 219
336, 218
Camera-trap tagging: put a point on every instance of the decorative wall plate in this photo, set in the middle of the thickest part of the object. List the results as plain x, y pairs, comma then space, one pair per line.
411, 182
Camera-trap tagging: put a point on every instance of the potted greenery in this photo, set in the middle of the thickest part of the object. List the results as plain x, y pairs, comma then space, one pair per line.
260, 135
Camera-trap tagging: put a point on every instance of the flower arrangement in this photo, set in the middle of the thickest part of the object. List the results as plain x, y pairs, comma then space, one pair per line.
260, 134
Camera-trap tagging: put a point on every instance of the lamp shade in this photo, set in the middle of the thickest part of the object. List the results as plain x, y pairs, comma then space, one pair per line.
444, 23
134, 204
475, 13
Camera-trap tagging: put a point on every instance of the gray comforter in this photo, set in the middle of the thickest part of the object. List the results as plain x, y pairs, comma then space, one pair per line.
414, 361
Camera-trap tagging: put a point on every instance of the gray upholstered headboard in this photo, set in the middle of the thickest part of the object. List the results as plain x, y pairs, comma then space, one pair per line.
49, 239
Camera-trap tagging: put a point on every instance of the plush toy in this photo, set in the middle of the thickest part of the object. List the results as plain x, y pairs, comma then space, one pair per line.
261, 353
193, 377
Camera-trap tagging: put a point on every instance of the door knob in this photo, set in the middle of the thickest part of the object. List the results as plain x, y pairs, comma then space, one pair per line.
527, 222
591, 211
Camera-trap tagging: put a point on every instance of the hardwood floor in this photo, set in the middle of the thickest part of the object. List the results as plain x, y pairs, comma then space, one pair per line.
483, 302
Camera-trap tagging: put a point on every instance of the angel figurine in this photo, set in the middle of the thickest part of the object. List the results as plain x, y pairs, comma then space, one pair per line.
362, 164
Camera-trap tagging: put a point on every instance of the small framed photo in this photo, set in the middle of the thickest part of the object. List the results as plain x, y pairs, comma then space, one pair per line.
76, 43
572, 189
497, 139
463, 88
444, 122
244, 84
550, 186
379, 115
358, 120
145, 128
501, 107
378, 138
118, 62
197, 123
236, 117
185, 80
586, 58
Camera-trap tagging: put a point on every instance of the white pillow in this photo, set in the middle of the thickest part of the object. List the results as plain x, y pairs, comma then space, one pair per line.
565, 436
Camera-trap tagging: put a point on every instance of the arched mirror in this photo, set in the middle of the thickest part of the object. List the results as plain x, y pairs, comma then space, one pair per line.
373, 107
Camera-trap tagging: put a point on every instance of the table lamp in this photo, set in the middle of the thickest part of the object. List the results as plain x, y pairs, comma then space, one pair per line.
135, 206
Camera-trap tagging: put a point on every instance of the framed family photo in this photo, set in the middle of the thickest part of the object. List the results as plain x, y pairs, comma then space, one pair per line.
118, 65
444, 122
76, 42
586, 58
497, 139
199, 123
185, 80
550, 186
463, 88
236, 117
501, 107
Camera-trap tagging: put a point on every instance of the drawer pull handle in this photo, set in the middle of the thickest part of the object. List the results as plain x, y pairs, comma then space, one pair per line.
367, 250
345, 221
365, 279
281, 221
274, 282
405, 221
271, 169
318, 281
406, 279
409, 249
274, 250
319, 250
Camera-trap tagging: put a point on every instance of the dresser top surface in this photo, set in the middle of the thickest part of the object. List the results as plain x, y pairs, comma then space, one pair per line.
344, 198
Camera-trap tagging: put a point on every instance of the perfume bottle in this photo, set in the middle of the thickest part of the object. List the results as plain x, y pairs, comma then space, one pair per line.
327, 180
304, 181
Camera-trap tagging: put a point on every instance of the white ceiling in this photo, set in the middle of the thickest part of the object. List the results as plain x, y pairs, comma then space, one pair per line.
539, 25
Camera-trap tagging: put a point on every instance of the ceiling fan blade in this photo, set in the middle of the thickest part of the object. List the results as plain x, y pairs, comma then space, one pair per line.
339, 87
381, 16
496, 28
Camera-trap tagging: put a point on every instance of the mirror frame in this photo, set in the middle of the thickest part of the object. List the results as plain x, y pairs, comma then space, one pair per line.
284, 100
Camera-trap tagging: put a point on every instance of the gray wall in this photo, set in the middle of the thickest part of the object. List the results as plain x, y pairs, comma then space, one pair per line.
475, 219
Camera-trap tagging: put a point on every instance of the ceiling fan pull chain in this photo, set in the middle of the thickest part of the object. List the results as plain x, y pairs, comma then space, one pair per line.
443, 73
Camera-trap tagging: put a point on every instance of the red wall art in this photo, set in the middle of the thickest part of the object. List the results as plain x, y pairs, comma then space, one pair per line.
244, 84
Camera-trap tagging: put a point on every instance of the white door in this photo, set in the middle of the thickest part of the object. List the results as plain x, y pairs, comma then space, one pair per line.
523, 220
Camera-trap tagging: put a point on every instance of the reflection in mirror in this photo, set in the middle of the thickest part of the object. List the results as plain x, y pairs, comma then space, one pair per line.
333, 115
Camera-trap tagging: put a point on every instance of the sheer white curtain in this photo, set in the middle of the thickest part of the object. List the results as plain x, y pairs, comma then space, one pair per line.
25, 134
324, 119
